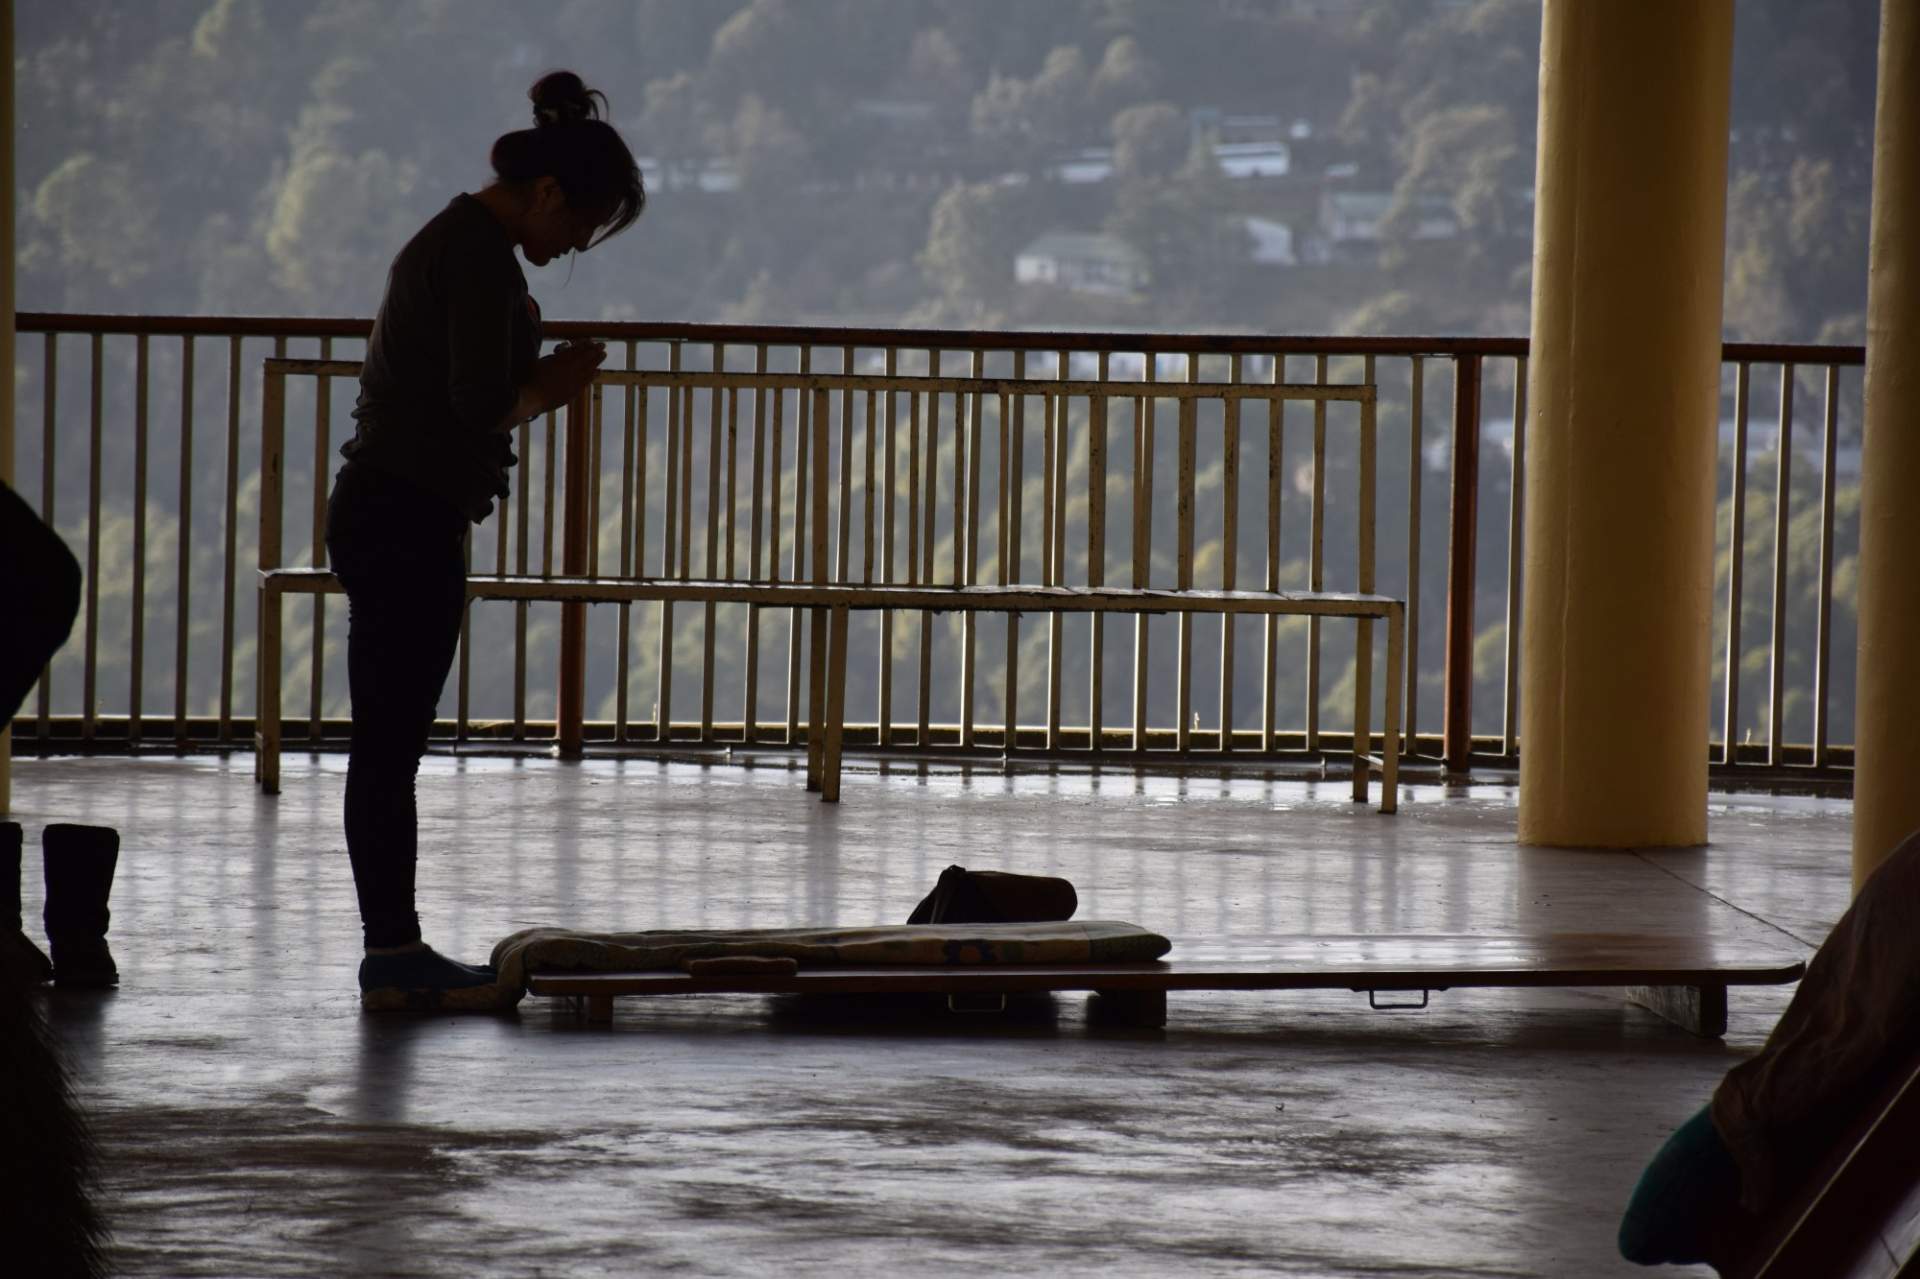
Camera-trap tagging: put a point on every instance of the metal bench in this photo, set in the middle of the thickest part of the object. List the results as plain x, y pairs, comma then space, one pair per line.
812, 586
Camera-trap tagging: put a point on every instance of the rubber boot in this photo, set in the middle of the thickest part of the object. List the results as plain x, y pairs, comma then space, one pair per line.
79, 863
17, 950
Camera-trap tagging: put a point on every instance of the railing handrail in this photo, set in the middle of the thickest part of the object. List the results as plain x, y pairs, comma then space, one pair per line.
907, 338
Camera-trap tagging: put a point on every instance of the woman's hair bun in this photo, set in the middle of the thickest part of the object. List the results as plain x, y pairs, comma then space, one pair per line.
561, 97
573, 143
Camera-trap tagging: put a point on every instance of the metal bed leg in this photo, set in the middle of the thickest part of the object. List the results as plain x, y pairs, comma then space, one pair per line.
1396, 713
816, 696
266, 709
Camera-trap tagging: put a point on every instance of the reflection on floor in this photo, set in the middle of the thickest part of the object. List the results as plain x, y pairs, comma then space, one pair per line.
254, 1122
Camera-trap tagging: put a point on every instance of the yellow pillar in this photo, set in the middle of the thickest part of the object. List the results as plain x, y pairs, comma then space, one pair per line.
1886, 781
1629, 232
6, 324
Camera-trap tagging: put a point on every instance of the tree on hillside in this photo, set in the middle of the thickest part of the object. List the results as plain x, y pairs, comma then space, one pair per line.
972, 236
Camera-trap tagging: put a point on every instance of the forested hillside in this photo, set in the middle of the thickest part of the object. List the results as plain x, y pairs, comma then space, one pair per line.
887, 160
1284, 166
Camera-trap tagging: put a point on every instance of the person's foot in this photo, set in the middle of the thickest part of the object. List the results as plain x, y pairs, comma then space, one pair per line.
421, 978
86, 964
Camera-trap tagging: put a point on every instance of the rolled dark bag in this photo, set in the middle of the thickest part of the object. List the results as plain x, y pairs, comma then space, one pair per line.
995, 897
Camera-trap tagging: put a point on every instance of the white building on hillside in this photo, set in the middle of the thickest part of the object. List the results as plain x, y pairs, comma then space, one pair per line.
1082, 262
1272, 242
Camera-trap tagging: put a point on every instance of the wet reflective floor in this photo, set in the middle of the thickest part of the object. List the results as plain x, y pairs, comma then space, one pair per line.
254, 1122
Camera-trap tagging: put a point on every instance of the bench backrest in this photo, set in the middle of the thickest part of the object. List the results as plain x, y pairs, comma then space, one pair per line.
879, 477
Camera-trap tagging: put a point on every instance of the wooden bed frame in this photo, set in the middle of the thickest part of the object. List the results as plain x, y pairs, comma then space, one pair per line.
1682, 979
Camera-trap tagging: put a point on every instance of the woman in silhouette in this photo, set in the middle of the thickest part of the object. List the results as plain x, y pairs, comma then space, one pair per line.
452, 367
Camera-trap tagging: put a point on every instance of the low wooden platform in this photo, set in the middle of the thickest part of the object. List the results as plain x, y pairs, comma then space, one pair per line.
1682, 979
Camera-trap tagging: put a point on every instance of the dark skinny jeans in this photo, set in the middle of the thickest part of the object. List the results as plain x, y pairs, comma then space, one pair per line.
400, 553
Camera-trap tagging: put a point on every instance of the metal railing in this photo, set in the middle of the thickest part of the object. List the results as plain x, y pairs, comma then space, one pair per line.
169, 563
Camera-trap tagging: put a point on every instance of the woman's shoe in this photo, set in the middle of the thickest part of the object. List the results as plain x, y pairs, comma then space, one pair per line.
427, 981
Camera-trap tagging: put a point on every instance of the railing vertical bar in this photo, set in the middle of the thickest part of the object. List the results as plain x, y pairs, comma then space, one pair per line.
464, 684
267, 617
1516, 530
685, 542
1053, 490
623, 645
1006, 548
577, 535
1096, 552
1316, 570
968, 620
183, 550
755, 524
715, 449
671, 537
593, 475
959, 515
137, 603
463, 696
90, 670
1145, 448
521, 554
1276, 450
501, 520
1463, 519
732, 535
1183, 567
817, 709
802, 432
522, 541
889, 506
1782, 504
931, 483
1146, 411
1229, 544
49, 401
550, 469
1823, 650
776, 478
642, 433
1736, 558
322, 450
871, 440
843, 529
596, 423
1416, 466
913, 488
1363, 628
229, 534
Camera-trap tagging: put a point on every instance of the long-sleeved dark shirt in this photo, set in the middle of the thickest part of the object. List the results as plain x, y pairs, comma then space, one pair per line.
456, 337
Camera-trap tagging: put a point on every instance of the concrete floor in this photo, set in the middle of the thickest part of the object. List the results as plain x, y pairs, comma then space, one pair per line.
255, 1123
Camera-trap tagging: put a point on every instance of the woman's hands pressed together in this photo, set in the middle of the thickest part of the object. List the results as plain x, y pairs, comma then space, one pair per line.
566, 372
557, 379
